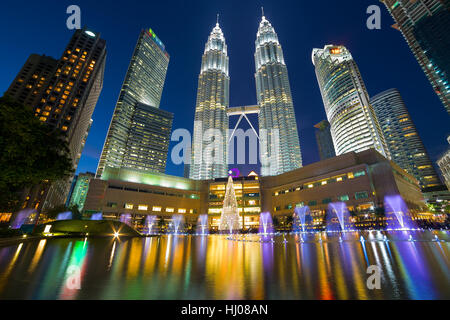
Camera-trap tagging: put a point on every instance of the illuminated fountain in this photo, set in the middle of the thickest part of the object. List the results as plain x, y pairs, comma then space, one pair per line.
396, 209
149, 223
20, 218
177, 222
125, 218
230, 220
202, 224
265, 223
300, 217
97, 216
64, 215
340, 211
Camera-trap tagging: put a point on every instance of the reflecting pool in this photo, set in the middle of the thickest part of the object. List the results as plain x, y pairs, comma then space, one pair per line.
316, 266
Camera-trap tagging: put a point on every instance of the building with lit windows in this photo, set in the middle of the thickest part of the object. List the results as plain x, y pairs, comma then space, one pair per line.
139, 133
324, 140
361, 180
273, 92
80, 190
354, 125
405, 146
213, 96
425, 26
63, 94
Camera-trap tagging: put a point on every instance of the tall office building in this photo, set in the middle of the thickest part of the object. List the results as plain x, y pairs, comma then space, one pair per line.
425, 25
354, 125
405, 146
209, 157
63, 94
275, 100
138, 135
324, 140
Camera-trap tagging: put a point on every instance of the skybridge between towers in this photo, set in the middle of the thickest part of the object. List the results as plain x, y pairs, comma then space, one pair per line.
242, 112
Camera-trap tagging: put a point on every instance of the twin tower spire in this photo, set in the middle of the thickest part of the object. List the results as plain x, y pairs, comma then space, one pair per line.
278, 132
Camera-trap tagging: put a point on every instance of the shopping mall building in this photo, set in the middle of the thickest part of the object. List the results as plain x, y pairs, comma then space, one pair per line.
361, 180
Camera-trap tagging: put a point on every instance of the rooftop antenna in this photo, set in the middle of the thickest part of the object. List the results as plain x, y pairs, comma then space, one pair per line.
217, 22
262, 10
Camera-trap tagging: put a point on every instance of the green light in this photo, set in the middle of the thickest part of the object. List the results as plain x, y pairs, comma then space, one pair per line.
395, 5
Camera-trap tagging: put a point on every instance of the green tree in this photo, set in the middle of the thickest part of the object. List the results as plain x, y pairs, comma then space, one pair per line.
32, 152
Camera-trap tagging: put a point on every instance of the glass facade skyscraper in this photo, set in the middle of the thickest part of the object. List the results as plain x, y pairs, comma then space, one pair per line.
354, 125
324, 140
213, 96
405, 146
425, 25
138, 134
275, 100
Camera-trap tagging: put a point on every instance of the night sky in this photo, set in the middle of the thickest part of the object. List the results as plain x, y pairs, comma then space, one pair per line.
383, 56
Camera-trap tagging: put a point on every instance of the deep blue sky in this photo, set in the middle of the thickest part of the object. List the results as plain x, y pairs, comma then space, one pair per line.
382, 55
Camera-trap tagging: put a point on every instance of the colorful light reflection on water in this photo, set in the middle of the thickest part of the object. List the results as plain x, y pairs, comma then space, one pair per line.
212, 267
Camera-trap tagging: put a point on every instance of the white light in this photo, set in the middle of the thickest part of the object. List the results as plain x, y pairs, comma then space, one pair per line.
47, 228
90, 33
116, 234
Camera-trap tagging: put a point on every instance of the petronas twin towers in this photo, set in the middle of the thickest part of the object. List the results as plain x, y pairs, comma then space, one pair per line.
278, 134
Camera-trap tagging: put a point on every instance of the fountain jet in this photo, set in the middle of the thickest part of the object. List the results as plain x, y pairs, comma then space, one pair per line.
202, 224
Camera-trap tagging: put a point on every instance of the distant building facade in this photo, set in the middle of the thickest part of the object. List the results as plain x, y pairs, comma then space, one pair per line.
80, 190
405, 146
324, 140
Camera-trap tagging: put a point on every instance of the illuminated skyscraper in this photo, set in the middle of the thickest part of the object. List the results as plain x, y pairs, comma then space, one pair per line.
63, 94
210, 111
274, 98
405, 146
354, 125
425, 25
139, 133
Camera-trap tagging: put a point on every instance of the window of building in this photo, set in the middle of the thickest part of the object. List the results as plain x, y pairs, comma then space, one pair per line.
361, 195
112, 204
326, 200
343, 198
156, 208
128, 206
181, 210
312, 203
143, 207
170, 209
359, 173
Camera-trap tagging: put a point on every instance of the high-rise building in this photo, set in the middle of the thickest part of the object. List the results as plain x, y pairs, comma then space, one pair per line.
324, 140
80, 190
354, 125
425, 25
137, 135
32, 80
209, 159
276, 107
63, 94
444, 165
404, 143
